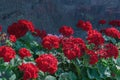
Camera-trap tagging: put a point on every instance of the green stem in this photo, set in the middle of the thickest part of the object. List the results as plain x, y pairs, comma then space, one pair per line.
77, 70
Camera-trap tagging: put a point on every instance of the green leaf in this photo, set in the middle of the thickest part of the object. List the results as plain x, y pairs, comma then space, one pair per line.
59, 71
118, 75
90, 46
108, 72
110, 39
3, 79
2, 67
101, 69
13, 77
49, 77
72, 76
67, 76
84, 73
118, 61
17, 73
93, 73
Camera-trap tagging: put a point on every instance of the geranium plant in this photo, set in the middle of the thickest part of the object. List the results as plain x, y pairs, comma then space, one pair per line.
28, 53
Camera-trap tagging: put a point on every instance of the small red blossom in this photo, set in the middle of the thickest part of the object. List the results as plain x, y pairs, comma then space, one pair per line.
89, 52
20, 28
49, 42
112, 50
40, 33
30, 71
84, 25
102, 22
28, 24
112, 32
95, 37
47, 63
23, 52
102, 53
66, 31
93, 56
0, 28
17, 29
7, 53
71, 51
12, 38
93, 59
108, 51
114, 23
73, 47
80, 43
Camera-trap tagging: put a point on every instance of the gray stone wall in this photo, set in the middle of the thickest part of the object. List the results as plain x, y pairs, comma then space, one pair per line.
51, 14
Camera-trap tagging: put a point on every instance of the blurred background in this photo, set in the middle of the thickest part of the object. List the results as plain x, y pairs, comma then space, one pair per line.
52, 14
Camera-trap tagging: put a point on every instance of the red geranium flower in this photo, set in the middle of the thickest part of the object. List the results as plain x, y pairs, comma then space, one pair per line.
40, 33
80, 43
23, 52
115, 22
102, 53
7, 53
0, 28
71, 51
73, 47
102, 21
108, 51
47, 63
112, 32
66, 31
84, 25
95, 37
93, 56
93, 59
50, 42
20, 28
28, 24
12, 38
112, 50
30, 71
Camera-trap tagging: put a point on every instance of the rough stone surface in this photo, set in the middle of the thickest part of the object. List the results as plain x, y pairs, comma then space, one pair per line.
51, 14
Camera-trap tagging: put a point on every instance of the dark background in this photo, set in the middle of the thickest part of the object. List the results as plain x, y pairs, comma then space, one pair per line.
51, 14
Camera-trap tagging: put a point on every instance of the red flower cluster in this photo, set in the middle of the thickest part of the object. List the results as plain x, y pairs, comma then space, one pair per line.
7, 53
50, 42
40, 33
84, 25
12, 38
28, 24
0, 28
20, 28
23, 52
102, 21
73, 47
112, 51
71, 51
102, 53
66, 31
95, 37
112, 32
47, 63
93, 59
108, 50
80, 43
30, 71
115, 22
105, 51
93, 56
